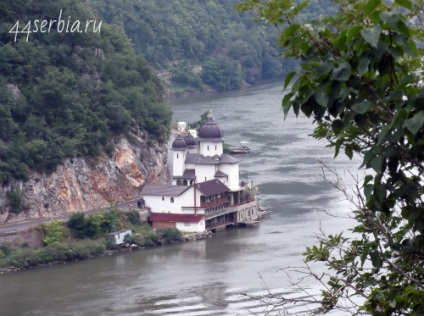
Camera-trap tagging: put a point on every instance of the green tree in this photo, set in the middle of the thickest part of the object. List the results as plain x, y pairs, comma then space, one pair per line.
55, 232
93, 225
360, 80
222, 74
15, 200
77, 224
110, 221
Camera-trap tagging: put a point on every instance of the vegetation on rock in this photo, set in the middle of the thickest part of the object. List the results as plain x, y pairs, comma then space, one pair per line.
68, 94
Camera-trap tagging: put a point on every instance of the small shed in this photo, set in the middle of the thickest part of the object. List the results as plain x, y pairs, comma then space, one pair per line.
117, 238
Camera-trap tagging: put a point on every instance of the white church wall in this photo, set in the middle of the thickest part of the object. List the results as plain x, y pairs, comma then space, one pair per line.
159, 204
178, 163
232, 170
205, 172
191, 227
211, 148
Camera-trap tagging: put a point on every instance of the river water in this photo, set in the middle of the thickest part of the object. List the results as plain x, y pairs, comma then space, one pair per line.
226, 274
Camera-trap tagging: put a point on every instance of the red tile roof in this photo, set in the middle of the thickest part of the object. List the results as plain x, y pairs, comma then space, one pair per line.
181, 218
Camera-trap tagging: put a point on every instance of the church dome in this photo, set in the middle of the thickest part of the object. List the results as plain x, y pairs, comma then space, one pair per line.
211, 130
179, 143
189, 140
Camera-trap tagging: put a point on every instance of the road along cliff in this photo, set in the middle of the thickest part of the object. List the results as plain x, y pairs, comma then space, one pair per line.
81, 184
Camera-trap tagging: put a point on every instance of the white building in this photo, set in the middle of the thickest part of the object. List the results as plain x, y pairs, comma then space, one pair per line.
204, 160
206, 190
184, 207
118, 237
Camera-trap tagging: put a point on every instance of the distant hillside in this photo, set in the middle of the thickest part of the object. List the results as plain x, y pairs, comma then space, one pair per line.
196, 42
191, 43
69, 94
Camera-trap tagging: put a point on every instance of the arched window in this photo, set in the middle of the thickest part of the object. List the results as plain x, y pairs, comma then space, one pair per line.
216, 147
172, 200
208, 147
177, 156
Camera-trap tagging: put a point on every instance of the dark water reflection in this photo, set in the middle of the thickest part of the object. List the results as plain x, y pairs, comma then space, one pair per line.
208, 277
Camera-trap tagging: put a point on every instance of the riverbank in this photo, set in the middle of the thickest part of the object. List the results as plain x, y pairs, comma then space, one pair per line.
82, 237
63, 253
175, 92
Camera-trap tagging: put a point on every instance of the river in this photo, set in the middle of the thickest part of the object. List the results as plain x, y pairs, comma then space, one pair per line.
211, 277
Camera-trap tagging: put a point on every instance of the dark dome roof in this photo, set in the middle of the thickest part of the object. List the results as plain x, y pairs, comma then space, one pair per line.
179, 143
189, 140
211, 130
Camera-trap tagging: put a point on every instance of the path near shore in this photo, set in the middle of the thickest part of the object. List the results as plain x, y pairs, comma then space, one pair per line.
13, 227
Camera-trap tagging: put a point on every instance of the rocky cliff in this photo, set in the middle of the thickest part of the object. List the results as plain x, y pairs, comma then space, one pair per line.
80, 184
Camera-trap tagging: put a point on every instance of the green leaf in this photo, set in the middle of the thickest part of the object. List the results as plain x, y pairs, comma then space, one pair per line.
288, 32
415, 123
368, 178
372, 35
368, 191
363, 66
377, 163
370, 6
342, 71
364, 254
379, 193
321, 97
375, 259
367, 158
307, 108
384, 130
325, 69
286, 103
349, 152
390, 18
412, 47
361, 107
337, 126
289, 77
353, 32
402, 28
404, 3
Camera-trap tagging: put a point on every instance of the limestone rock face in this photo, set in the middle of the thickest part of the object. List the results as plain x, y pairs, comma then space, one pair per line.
80, 184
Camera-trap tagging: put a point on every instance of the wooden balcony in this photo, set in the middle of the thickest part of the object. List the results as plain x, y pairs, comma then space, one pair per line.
214, 202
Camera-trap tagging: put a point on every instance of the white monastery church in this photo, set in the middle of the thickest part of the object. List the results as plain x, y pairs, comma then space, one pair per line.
206, 193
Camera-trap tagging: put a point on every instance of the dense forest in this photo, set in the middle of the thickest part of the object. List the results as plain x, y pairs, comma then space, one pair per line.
68, 94
195, 42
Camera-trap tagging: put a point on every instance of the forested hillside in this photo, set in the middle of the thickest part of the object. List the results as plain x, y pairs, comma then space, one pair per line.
195, 42
68, 94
